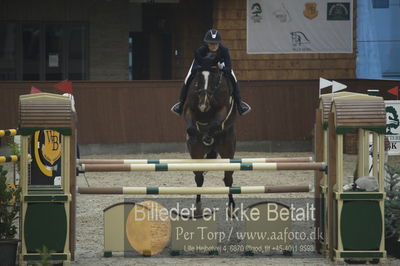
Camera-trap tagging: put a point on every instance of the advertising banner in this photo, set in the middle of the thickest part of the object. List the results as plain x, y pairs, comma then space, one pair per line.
299, 26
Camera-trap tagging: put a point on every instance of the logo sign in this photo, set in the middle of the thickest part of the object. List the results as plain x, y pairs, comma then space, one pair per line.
51, 148
299, 41
338, 11
256, 12
299, 26
310, 10
393, 126
282, 14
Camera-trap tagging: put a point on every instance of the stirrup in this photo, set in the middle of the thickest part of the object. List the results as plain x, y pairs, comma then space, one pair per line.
177, 108
243, 108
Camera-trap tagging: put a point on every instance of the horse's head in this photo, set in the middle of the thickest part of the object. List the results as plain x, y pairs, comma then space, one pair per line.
209, 106
208, 87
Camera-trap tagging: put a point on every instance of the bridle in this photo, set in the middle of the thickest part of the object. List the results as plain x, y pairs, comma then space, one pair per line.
215, 89
199, 124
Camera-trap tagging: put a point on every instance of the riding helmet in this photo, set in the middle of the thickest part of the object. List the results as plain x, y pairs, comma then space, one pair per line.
212, 36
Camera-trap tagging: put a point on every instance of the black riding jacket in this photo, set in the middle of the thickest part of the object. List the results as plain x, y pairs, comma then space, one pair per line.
204, 57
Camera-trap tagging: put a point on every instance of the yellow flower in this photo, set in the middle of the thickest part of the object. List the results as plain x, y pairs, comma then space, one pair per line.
11, 187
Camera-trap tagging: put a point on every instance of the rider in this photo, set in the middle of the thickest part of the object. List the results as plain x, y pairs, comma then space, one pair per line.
218, 55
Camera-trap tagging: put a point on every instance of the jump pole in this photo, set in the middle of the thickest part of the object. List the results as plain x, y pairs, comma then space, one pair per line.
12, 158
202, 167
192, 190
159, 161
9, 159
8, 132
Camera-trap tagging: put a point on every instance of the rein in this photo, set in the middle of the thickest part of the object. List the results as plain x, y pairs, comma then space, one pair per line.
232, 104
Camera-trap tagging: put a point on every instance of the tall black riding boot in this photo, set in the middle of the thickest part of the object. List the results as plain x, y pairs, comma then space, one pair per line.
243, 107
178, 107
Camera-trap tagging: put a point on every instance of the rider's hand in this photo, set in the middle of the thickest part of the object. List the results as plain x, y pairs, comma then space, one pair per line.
226, 71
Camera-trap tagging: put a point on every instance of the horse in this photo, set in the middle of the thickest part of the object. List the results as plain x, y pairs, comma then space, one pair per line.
209, 113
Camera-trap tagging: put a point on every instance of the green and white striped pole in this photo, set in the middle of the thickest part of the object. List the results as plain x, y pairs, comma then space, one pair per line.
202, 167
166, 161
192, 190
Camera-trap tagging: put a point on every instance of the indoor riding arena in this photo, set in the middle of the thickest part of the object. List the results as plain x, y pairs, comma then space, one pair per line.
180, 132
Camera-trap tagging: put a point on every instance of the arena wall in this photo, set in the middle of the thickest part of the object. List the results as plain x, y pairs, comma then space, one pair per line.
120, 112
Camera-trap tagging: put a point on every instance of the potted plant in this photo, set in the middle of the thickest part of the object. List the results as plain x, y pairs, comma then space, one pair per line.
392, 211
9, 213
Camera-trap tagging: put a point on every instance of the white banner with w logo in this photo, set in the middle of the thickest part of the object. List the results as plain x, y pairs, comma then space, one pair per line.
299, 26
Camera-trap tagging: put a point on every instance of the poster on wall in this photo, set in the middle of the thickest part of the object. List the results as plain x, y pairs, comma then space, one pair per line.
393, 126
299, 26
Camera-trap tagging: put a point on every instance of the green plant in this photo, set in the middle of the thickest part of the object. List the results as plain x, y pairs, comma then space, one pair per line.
392, 201
9, 206
15, 150
45, 256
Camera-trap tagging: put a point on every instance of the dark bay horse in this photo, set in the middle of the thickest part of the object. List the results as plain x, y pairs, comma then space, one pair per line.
210, 113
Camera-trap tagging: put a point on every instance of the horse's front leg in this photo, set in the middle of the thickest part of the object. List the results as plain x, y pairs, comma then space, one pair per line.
190, 126
227, 150
197, 152
228, 180
214, 127
199, 178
